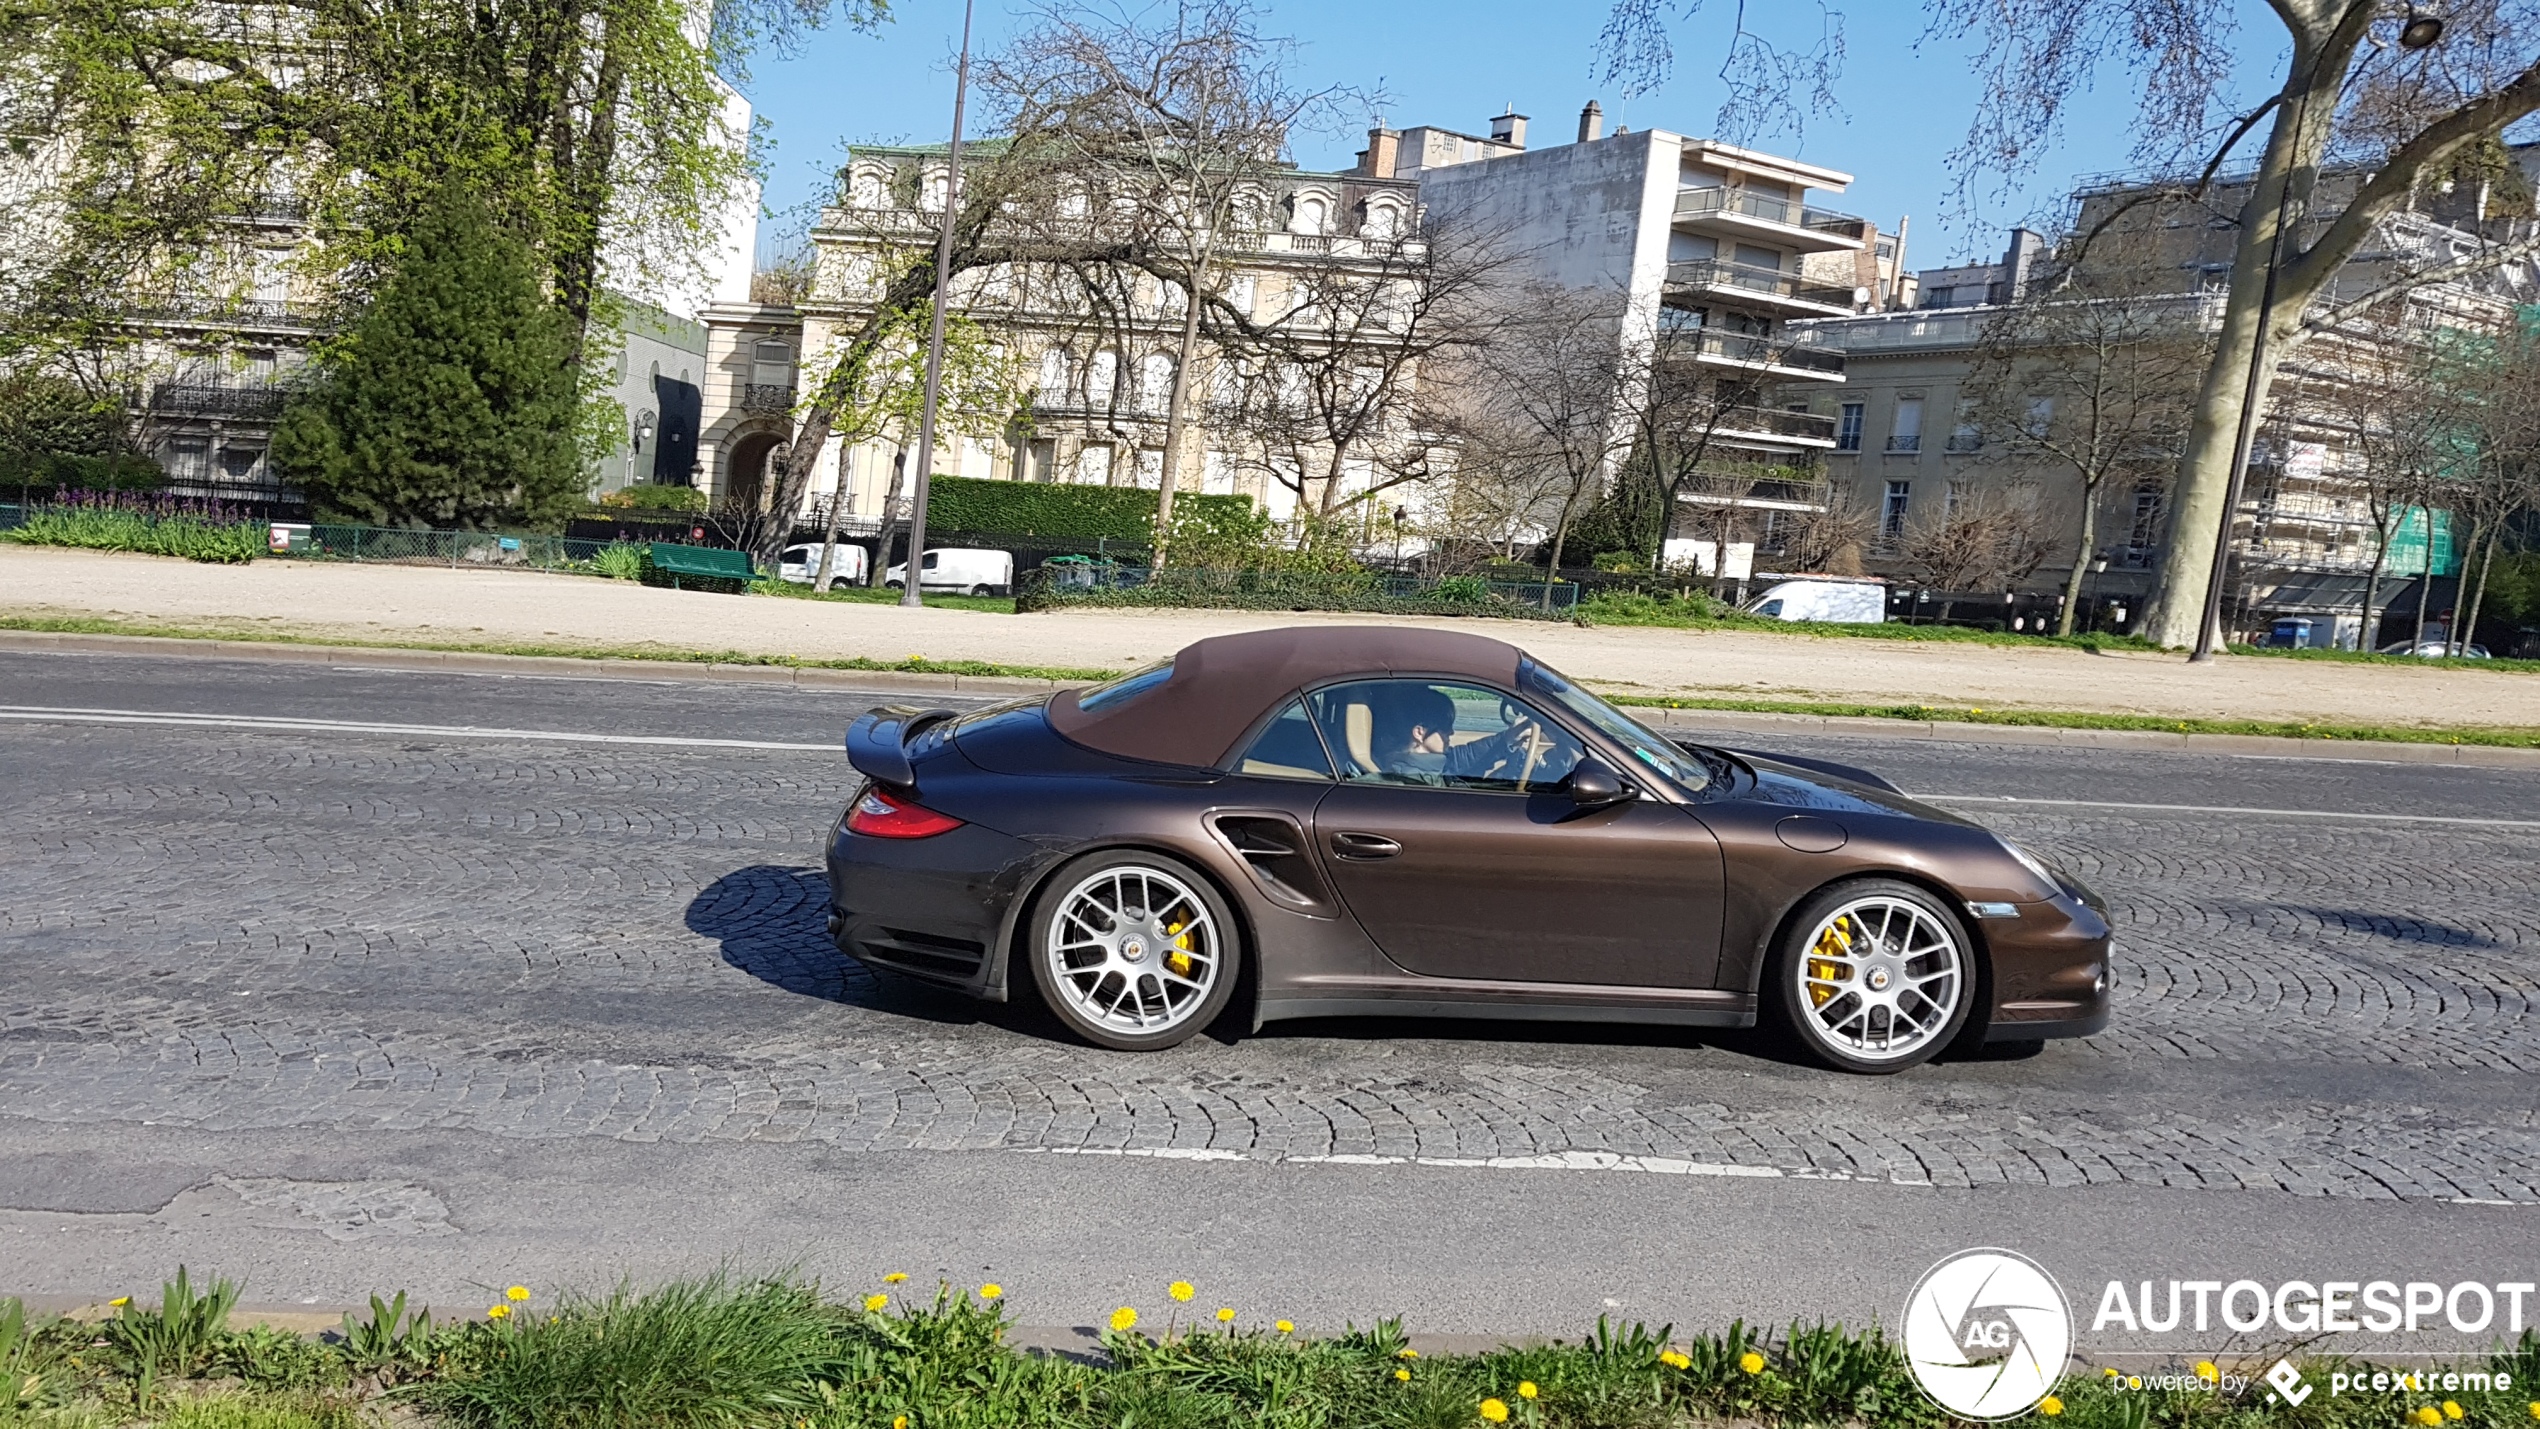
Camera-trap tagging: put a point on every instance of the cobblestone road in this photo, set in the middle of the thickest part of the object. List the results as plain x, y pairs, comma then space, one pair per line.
230, 930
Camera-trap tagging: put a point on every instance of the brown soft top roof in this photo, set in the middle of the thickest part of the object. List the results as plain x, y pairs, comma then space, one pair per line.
1221, 685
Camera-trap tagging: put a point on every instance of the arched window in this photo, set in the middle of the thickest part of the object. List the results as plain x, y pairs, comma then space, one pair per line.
1102, 378
1155, 382
1311, 215
1383, 220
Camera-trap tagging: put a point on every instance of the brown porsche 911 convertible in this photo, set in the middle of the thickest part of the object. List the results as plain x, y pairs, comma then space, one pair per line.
1350, 821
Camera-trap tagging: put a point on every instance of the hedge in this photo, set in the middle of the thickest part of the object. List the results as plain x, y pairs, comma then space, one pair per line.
1026, 508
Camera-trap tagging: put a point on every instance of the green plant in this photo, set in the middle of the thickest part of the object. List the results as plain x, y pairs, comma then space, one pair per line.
1085, 513
709, 1352
199, 531
649, 496
178, 1338
268, 1358
1618, 562
619, 561
1461, 590
260, 1411
452, 401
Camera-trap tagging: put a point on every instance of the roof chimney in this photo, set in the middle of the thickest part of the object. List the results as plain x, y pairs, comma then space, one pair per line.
1383, 152
1591, 123
1509, 129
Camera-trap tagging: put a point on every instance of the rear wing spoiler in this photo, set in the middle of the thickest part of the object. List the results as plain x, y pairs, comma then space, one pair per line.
878, 741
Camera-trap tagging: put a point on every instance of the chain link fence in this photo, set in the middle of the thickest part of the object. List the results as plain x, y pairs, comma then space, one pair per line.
473, 550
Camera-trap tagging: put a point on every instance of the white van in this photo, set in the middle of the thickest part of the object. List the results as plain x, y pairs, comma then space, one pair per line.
801, 565
1822, 598
968, 572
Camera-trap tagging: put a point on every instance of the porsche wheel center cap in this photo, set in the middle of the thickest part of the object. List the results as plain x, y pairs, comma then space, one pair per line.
1879, 979
1134, 949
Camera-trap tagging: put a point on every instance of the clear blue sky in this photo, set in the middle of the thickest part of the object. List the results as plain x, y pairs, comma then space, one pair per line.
1905, 103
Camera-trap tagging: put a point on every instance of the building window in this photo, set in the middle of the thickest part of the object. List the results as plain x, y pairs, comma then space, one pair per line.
1906, 433
1892, 514
1847, 427
2143, 535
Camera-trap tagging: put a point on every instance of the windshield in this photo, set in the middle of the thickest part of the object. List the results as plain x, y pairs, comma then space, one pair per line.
1660, 756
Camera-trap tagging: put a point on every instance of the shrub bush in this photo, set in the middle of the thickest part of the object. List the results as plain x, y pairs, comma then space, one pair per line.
647, 496
1025, 508
620, 560
153, 526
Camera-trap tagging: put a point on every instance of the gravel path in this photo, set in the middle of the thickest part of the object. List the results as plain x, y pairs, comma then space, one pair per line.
392, 603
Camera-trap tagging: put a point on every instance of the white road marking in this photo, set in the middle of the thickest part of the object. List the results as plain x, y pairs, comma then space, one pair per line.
2223, 809
36, 714
1554, 1161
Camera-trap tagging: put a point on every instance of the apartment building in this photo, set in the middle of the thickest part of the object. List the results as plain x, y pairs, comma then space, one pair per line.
1910, 451
1101, 381
1706, 251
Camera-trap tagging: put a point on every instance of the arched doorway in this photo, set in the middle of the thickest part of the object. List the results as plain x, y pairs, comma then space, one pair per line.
746, 483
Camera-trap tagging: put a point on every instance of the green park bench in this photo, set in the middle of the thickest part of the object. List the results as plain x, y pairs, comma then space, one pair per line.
701, 563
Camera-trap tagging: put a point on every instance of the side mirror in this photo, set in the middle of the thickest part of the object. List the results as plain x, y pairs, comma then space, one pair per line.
1593, 786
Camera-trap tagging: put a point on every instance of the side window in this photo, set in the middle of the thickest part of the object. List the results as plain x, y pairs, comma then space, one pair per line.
1288, 749
1443, 735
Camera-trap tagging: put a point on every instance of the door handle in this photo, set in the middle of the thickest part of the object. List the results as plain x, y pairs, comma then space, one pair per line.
1364, 846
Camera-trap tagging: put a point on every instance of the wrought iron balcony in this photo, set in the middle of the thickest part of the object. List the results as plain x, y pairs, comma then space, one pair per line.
261, 401
767, 397
1767, 284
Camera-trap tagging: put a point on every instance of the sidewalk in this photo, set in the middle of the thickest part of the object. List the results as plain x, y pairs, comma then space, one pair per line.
388, 604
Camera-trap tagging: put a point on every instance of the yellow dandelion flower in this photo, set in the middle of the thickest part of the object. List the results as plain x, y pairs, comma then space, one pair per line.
900, 1422
991, 1291
1124, 1319
1526, 1389
1675, 1359
516, 1294
874, 1304
1181, 1290
1496, 1411
2050, 1406
1751, 1362
120, 1301
2535, 1409
1403, 1375
2428, 1415
1287, 1327
498, 1312
1226, 1314
895, 1277
2205, 1370
1410, 1354
2451, 1410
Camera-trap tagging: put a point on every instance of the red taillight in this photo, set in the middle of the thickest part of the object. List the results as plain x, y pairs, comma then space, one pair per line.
883, 817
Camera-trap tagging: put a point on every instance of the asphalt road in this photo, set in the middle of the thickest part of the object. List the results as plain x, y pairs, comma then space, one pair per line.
306, 977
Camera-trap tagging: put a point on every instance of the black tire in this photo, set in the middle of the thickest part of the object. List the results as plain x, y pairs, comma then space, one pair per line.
1792, 992
1072, 996
979, 590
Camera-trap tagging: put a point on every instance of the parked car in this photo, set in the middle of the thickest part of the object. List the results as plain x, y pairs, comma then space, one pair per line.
2432, 650
1850, 602
1346, 821
971, 572
801, 564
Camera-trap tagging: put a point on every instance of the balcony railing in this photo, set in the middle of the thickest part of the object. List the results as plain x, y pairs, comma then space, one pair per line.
1767, 421
1961, 443
1903, 444
767, 396
213, 312
254, 400
1751, 349
1764, 282
1746, 203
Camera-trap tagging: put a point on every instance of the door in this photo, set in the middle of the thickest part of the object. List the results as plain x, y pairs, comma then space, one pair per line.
1452, 841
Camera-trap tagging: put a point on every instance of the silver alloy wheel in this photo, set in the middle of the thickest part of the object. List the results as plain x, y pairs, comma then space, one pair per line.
1880, 977
1134, 949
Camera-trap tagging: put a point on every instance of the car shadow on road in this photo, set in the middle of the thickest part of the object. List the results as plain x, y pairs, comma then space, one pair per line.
772, 923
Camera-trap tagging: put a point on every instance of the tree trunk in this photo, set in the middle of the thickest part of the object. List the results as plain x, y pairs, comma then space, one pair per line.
2370, 639
1173, 418
828, 573
2081, 557
882, 536
577, 265
2465, 621
2425, 582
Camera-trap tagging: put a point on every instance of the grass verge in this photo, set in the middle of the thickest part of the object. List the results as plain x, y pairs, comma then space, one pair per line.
729, 1353
864, 595
2501, 665
2074, 719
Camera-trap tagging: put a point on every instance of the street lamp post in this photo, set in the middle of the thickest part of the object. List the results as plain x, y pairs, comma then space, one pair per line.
911, 589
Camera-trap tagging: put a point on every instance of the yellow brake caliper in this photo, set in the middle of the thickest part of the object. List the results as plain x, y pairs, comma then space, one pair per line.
1823, 971
1179, 960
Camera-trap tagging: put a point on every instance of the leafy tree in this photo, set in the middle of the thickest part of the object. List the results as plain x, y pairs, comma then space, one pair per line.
452, 401
55, 433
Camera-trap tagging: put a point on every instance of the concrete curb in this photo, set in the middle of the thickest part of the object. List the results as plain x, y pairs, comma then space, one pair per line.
805, 677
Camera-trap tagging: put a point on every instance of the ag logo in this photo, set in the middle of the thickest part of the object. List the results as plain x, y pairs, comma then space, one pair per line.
1986, 1333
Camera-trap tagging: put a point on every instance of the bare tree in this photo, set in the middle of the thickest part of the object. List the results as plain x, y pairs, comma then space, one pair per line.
1829, 537
1981, 541
2403, 103
2094, 373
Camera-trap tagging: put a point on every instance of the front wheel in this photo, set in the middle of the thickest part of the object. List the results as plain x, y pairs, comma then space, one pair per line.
1875, 976
1134, 951
979, 590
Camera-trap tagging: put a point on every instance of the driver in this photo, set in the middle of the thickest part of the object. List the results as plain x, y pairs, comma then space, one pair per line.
1414, 728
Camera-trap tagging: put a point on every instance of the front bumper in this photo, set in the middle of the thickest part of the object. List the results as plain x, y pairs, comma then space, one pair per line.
2053, 971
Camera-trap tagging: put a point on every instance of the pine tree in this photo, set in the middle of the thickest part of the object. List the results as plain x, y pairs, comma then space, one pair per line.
451, 402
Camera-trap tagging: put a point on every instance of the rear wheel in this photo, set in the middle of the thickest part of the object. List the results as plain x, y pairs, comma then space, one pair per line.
979, 590
1134, 950
1875, 976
